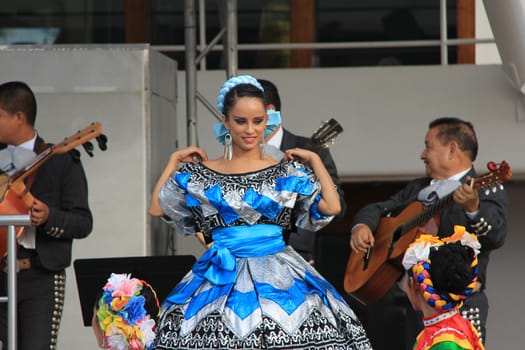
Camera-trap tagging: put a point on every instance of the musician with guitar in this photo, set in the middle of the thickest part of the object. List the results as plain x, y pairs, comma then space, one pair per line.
450, 150
56, 196
302, 241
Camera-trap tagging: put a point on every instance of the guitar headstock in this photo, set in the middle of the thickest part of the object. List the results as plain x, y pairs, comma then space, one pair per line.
326, 133
82, 137
499, 173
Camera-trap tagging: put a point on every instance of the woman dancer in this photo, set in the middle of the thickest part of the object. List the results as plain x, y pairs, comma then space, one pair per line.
249, 290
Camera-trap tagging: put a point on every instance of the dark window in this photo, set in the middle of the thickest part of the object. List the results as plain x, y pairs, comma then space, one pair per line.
259, 21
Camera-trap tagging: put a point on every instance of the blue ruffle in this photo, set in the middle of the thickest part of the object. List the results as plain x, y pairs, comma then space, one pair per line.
289, 300
243, 304
262, 204
301, 185
314, 209
182, 180
215, 197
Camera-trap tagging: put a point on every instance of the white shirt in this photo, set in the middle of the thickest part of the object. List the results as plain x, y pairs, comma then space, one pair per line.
277, 139
457, 176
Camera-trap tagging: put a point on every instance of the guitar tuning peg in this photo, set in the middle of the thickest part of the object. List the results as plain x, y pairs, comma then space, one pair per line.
487, 192
494, 189
492, 166
88, 147
102, 141
76, 154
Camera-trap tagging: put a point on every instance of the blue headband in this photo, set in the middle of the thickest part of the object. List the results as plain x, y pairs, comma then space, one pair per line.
233, 82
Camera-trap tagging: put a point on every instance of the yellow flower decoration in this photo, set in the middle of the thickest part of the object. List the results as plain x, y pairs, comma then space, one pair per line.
467, 239
119, 302
459, 231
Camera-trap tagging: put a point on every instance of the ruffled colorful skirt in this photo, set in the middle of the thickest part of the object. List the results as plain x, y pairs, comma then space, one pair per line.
274, 300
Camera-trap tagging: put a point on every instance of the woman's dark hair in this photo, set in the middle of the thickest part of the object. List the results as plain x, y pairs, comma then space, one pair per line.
451, 270
241, 90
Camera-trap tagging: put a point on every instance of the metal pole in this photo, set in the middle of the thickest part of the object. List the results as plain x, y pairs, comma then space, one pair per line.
231, 38
202, 32
191, 73
10, 221
326, 46
443, 31
11, 290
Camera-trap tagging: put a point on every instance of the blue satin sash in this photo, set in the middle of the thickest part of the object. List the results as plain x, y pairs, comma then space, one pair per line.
218, 264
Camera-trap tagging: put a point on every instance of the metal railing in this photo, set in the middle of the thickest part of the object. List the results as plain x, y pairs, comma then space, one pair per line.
204, 47
11, 221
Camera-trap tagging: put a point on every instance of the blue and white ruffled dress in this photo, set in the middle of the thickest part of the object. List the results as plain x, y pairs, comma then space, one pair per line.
250, 290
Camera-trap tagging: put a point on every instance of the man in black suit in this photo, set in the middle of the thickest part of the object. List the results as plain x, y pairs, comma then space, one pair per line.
302, 241
59, 213
451, 148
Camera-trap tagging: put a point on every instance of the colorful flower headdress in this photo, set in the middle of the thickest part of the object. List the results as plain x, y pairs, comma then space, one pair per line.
122, 315
416, 262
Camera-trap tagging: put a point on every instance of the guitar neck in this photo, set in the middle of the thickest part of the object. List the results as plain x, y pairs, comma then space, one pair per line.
32, 166
78, 138
428, 213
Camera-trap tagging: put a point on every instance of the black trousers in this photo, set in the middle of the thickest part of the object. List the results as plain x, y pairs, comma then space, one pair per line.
40, 296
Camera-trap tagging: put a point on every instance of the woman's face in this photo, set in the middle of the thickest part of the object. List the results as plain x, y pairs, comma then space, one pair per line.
246, 123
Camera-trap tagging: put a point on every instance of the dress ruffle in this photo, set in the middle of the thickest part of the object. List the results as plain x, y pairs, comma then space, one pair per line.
267, 196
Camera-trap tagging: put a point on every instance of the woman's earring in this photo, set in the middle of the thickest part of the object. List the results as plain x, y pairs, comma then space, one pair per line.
228, 152
262, 146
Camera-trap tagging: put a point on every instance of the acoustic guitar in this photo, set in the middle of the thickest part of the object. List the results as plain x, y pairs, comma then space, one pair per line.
370, 275
15, 197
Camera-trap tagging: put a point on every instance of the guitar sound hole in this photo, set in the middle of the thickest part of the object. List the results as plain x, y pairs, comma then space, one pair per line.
397, 234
